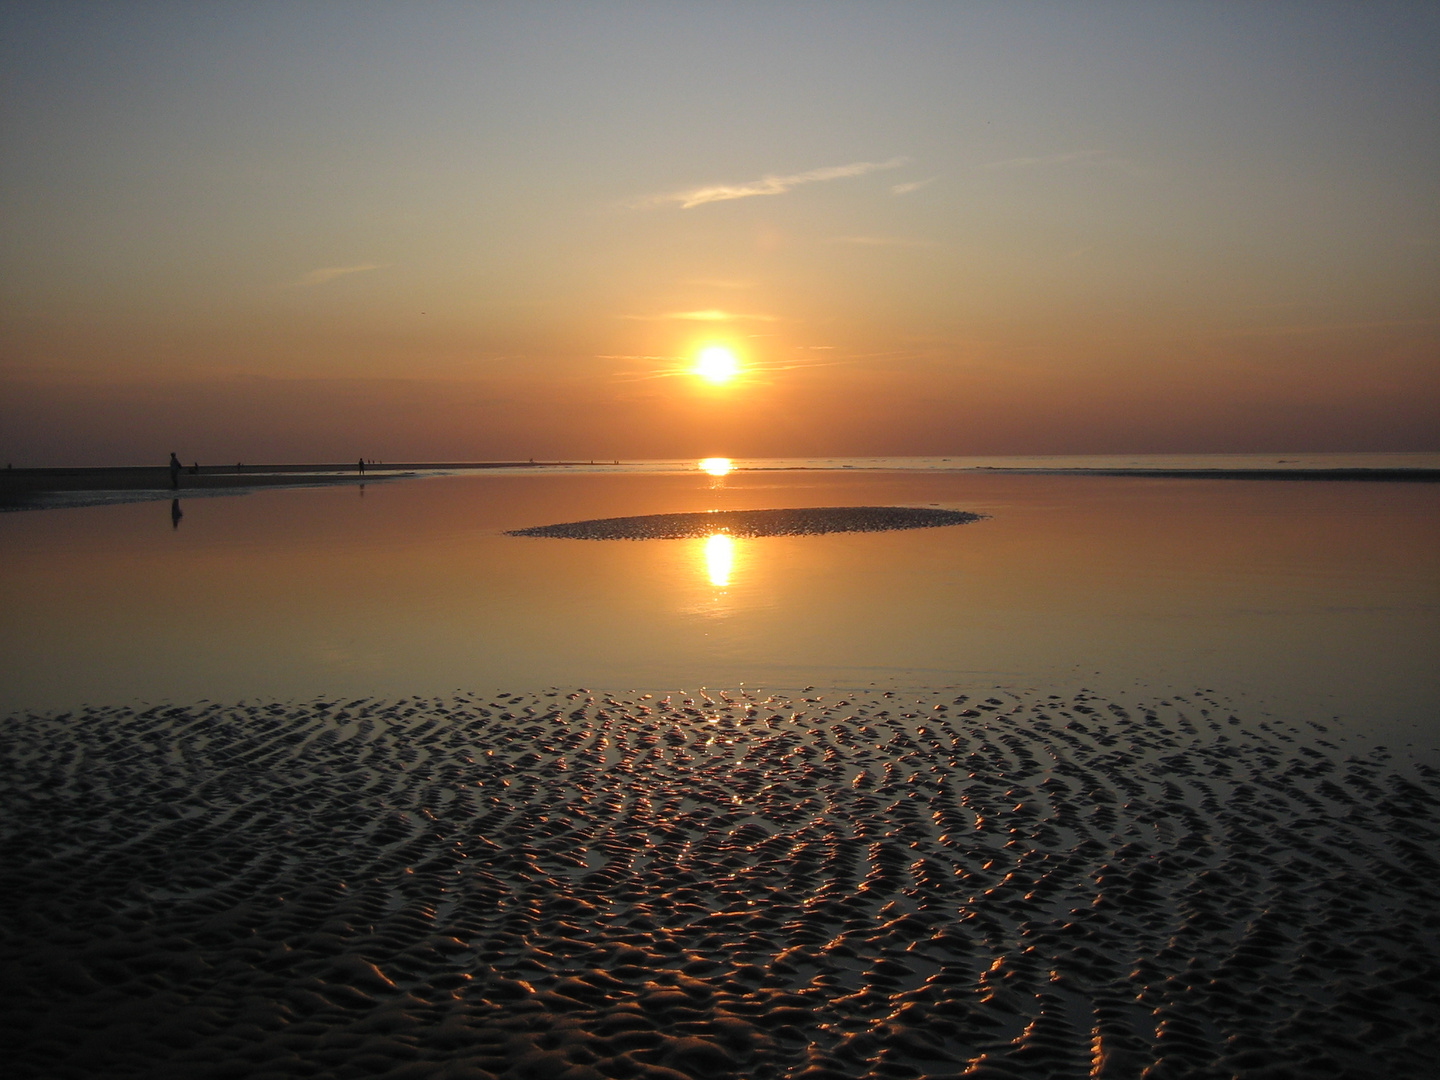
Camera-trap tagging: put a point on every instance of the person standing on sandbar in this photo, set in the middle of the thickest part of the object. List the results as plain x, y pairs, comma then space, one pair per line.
174, 470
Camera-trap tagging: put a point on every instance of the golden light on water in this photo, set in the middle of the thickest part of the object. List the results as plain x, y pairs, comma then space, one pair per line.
717, 364
719, 558
716, 466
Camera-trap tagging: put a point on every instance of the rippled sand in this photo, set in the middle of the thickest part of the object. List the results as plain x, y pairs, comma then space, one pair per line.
804, 521
582, 886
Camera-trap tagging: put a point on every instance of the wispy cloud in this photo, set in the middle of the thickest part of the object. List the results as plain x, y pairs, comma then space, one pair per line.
330, 273
1327, 328
913, 185
769, 185
721, 283
760, 370
1049, 159
883, 241
709, 315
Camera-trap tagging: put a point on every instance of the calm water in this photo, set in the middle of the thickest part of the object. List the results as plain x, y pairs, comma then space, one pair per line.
1307, 599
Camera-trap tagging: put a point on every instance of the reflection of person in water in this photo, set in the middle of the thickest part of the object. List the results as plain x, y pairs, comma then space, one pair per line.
174, 470
175, 513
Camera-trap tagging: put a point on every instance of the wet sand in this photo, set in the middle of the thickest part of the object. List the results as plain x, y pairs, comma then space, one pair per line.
802, 521
581, 885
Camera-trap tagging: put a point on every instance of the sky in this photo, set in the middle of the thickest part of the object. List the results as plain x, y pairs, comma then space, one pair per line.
458, 231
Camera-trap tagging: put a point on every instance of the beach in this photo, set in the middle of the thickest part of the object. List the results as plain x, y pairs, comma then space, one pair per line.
576, 884
1087, 776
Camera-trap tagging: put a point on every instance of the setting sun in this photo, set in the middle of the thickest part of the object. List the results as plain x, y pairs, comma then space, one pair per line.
717, 364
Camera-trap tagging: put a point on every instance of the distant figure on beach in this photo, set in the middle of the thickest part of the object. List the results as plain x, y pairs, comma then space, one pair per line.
361, 466
175, 467
175, 513
195, 469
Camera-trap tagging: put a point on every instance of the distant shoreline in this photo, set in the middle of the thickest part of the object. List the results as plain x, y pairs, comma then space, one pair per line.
47, 488
1423, 476
67, 487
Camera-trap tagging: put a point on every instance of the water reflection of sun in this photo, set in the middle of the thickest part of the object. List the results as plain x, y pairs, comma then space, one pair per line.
716, 466
719, 558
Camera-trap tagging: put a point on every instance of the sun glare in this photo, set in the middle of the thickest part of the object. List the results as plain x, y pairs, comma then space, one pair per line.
719, 558
716, 364
716, 466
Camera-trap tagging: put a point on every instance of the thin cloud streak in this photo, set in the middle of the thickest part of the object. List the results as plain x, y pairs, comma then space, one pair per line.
913, 185
330, 273
772, 184
711, 315
721, 283
1326, 328
759, 372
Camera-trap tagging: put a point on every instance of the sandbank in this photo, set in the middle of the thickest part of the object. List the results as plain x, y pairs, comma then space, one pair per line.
801, 521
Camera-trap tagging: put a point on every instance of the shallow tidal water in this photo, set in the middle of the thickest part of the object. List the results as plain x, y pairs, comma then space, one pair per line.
1311, 600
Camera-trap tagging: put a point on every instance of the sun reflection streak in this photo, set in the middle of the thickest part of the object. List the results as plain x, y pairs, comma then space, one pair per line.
719, 558
716, 466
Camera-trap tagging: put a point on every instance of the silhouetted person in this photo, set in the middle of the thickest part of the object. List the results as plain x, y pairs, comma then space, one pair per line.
361, 466
175, 513
175, 467
195, 469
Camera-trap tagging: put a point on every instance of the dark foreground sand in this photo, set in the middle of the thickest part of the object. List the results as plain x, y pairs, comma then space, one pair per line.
582, 886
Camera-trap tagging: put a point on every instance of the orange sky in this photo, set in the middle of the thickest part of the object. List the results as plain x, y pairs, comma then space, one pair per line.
278, 232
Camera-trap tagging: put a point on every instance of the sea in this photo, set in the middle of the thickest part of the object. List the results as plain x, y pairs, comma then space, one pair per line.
1300, 599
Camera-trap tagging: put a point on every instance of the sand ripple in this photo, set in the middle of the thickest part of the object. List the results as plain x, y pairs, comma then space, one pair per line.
585, 886
804, 521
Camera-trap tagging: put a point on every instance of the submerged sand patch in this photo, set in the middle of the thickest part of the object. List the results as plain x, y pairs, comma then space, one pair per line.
584, 885
802, 521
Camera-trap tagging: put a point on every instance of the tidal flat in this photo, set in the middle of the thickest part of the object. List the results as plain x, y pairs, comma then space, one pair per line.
960, 808
583, 885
